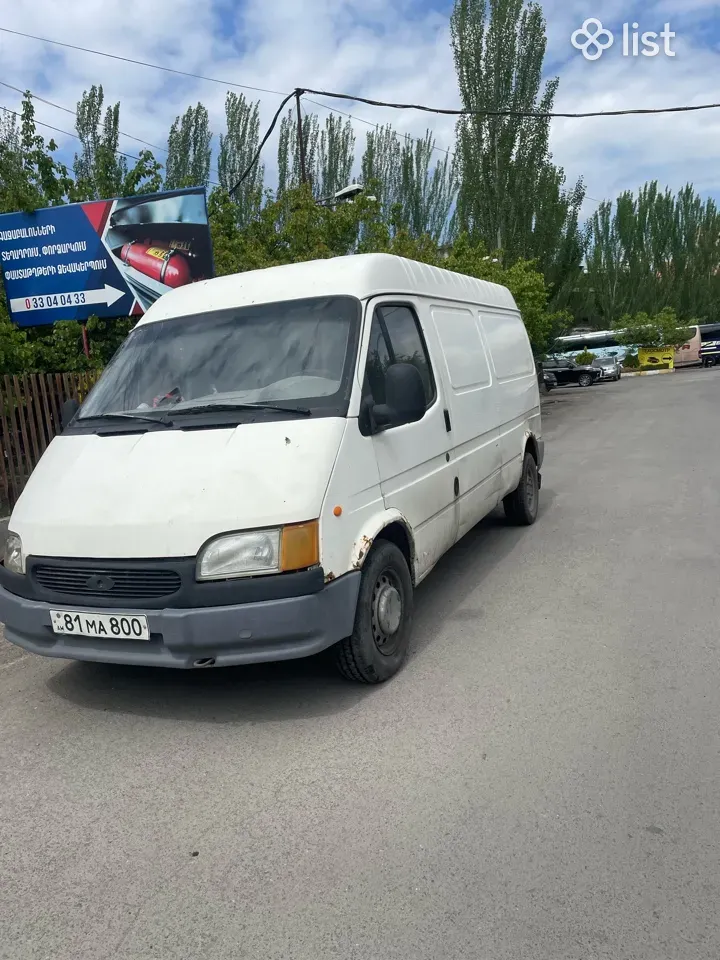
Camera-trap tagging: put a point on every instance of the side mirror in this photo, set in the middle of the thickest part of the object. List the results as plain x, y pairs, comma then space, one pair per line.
69, 409
404, 396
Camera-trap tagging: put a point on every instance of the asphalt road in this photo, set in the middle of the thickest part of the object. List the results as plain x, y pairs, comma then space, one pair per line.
540, 783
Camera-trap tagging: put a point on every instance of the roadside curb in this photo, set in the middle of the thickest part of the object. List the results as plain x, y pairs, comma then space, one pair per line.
646, 373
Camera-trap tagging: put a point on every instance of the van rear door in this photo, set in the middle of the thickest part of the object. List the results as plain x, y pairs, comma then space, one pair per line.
517, 397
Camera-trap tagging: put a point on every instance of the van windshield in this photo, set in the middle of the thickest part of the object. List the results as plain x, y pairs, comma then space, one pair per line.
298, 353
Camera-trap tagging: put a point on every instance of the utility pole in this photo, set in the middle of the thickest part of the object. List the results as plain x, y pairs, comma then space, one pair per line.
86, 339
301, 139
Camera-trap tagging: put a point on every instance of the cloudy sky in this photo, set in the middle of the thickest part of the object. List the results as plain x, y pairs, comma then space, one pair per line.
385, 49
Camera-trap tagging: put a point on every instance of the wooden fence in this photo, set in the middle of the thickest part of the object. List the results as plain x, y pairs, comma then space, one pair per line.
30, 407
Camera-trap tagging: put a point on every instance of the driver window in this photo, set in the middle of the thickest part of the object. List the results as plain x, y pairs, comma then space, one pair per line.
395, 338
378, 360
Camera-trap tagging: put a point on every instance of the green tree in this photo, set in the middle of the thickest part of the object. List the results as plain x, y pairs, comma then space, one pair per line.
661, 330
237, 148
426, 192
189, 150
289, 172
16, 354
585, 358
16, 191
329, 154
381, 167
101, 171
30, 177
511, 196
58, 348
651, 250
336, 156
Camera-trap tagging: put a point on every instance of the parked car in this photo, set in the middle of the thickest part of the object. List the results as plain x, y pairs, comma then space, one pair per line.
610, 368
324, 433
567, 371
547, 380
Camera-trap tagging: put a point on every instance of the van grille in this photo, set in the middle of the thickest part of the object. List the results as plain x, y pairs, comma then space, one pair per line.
141, 584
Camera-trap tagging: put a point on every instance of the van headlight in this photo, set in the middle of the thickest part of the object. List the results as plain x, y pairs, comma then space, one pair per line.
14, 560
256, 553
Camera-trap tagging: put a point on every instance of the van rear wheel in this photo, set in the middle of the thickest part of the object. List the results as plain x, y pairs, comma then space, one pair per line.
521, 506
380, 639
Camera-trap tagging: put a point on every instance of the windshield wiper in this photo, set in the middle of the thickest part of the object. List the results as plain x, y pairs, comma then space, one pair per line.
163, 421
229, 407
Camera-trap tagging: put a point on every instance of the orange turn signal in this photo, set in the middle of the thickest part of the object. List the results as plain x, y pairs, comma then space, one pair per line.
300, 546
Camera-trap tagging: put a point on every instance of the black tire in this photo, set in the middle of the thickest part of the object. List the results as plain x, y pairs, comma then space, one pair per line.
521, 506
375, 652
585, 380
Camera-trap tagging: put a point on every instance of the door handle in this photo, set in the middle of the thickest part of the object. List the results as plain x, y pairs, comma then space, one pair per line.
448, 426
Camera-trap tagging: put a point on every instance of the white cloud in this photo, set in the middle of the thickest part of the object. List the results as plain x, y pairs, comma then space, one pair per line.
384, 49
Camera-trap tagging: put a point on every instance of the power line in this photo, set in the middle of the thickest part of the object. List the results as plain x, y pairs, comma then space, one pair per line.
68, 133
141, 63
270, 129
326, 106
130, 156
73, 113
325, 93
65, 133
264, 140
528, 114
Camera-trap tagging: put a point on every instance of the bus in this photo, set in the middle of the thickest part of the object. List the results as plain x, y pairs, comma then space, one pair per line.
603, 343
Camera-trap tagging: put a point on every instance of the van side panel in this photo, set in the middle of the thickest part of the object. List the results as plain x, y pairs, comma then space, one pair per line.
470, 399
517, 394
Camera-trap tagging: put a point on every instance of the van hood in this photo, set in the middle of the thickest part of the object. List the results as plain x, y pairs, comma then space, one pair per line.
164, 493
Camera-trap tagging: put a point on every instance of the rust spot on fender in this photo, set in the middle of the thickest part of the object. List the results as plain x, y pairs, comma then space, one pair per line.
362, 549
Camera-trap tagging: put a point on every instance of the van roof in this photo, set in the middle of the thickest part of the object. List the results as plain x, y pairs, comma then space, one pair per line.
361, 275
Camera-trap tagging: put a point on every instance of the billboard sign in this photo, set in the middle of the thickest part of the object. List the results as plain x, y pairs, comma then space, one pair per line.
108, 258
657, 357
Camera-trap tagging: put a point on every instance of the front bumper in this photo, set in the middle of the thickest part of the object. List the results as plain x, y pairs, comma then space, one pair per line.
278, 629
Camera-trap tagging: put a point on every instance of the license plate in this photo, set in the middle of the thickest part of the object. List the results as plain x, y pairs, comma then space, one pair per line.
99, 625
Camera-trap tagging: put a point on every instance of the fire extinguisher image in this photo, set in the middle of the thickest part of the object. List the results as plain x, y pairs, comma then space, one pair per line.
159, 261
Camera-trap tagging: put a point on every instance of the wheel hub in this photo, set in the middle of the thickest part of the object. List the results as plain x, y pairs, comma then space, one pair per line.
388, 609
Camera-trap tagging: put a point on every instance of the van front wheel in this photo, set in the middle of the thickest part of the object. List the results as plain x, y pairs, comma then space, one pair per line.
521, 506
383, 619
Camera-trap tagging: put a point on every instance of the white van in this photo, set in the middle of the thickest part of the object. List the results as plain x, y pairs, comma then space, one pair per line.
270, 465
